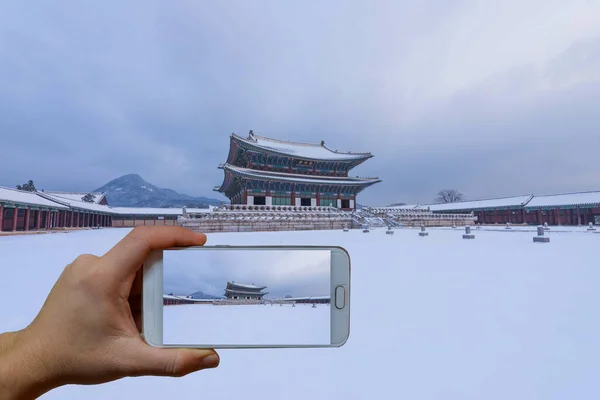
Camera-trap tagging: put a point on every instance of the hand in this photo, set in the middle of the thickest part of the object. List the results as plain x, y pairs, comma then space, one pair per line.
88, 330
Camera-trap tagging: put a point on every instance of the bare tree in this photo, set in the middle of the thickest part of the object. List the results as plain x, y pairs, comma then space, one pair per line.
449, 196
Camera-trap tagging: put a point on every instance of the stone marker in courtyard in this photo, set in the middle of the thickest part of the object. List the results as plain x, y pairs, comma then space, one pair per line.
540, 238
423, 233
591, 228
389, 231
468, 234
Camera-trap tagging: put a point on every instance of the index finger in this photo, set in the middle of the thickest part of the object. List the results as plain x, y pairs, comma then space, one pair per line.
127, 256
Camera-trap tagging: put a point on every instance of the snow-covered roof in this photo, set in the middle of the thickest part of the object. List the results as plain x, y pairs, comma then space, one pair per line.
251, 173
301, 150
27, 198
246, 285
79, 205
157, 210
407, 207
567, 199
505, 202
184, 298
77, 196
306, 298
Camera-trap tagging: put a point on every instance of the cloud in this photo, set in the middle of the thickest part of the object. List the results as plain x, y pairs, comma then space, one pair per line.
467, 94
298, 273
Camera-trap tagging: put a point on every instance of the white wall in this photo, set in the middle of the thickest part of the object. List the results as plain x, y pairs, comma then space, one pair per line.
250, 200
339, 203
351, 203
297, 201
269, 201
313, 202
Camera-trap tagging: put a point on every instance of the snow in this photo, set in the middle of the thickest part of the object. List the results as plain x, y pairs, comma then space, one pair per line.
435, 317
82, 205
299, 177
76, 196
29, 198
247, 324
303, 150
247, 286
568, 199
504, 202
157, 210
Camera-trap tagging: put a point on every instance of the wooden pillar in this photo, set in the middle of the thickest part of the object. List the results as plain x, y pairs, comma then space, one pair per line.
539, 217
14, 222
557, 213
38, 221
578, 215
27, 214
72, 218
1, 217
155, 220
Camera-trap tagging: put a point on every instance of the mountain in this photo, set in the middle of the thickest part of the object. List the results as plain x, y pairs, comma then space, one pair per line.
201, 295
133, 191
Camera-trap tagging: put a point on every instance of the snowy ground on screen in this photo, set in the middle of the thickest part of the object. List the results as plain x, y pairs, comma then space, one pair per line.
247, 324
438, 317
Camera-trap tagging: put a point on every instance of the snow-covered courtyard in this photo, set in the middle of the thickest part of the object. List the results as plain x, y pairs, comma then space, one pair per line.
435, 317
247, 324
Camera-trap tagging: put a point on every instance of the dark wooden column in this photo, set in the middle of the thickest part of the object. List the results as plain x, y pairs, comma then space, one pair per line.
15, 216
27, 215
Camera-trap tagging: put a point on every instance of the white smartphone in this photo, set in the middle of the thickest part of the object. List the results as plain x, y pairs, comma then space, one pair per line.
247, 297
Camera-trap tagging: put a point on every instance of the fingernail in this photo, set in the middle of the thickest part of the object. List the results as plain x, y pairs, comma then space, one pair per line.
210, 361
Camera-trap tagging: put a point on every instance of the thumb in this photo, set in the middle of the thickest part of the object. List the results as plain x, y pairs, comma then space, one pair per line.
173, 362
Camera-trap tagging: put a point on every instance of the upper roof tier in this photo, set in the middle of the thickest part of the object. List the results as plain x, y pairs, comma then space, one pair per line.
244, 286
309, 151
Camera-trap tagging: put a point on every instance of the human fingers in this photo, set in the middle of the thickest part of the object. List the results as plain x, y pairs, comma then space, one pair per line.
127, 256
173, 362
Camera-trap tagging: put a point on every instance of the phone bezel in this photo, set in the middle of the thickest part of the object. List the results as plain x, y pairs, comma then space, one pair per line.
152, 296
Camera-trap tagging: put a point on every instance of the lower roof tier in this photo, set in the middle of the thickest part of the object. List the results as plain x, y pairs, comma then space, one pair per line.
234, 176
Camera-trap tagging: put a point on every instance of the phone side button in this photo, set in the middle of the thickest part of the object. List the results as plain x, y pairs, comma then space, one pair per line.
340, 297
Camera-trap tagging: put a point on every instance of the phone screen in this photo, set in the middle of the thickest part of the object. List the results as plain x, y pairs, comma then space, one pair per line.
247, 297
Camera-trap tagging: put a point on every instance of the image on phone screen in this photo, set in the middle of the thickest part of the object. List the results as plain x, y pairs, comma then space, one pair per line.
247, 297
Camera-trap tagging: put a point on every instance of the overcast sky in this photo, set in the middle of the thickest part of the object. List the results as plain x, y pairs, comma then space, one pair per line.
488, 99
294, 273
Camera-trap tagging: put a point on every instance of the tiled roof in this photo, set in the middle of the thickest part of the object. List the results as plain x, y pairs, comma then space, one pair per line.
505, 202
79, 205
77, 196
251, 173
301, 150
567, 199
27, 198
